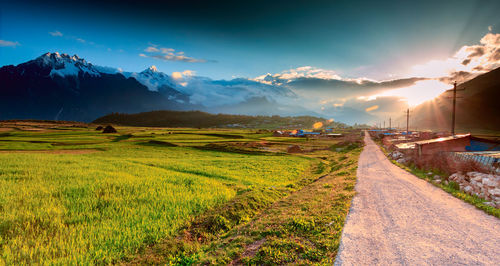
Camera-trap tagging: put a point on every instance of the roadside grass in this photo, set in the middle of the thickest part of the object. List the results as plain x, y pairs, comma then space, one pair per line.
452, 187
303, 228
300, 223
102, 207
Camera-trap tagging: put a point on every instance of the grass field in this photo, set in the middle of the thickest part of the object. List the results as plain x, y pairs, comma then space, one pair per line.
108, 195
73, 195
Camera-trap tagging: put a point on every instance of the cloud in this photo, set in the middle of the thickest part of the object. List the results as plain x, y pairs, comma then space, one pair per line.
151, 49
295, 73
176, 75
371, 108
468, 62
4, 43
169, 54
180, 76
56, 33
81, 40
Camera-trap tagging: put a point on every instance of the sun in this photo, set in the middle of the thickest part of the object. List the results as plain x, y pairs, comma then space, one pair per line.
418, 93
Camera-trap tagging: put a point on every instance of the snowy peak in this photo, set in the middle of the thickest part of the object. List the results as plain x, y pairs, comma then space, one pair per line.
66, 65
154, 79
152, 69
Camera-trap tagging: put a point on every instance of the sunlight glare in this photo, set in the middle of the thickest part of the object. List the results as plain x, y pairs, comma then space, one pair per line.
418, 93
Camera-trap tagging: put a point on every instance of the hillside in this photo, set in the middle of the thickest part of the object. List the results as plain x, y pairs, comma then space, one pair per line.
202, 119
477, 108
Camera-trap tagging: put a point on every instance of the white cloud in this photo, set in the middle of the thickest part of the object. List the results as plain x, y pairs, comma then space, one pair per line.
4, 43
151, 49
56, 33
169, 54
299, 72
176, 75
182, 75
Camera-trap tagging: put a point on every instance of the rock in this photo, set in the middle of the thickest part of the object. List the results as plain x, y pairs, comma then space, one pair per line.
401, 161
489, 182
294, 149
457, 177
474, 174
495, 192
468, 189
437, 177
430, 173
437, 181
99, 128
396, 155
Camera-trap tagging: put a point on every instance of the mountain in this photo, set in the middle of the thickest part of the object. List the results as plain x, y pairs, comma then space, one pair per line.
159, 82
477, 108
59, 86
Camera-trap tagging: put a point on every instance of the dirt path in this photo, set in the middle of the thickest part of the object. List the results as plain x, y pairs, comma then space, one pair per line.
397, 218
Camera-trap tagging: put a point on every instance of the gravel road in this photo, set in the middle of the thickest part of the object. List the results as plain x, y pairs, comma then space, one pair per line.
397, 218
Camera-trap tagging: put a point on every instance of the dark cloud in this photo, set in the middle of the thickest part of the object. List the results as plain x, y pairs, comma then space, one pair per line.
466, 62
459, 76
476, 51
496, 55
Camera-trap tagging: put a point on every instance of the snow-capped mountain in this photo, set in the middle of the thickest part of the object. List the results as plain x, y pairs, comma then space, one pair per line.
210, 93
65, 65
153, 79
59, 86
159, 82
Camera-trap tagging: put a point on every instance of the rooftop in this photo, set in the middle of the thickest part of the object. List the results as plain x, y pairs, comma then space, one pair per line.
421, 142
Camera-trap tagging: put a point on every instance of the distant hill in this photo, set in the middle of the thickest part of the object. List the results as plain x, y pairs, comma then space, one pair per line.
478, 109
202, 119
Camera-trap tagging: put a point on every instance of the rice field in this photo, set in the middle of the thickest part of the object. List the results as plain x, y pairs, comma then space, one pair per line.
77, 196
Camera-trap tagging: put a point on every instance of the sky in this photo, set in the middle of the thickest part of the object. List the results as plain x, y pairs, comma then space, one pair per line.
249, 38
343, 40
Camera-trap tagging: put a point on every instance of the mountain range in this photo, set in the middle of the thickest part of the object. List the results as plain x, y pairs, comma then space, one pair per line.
62, 87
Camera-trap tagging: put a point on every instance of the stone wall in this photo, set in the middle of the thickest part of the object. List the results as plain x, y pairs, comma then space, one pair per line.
485, 186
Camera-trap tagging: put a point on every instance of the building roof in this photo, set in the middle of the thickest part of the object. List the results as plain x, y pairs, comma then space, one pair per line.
413, 144
429, 141
407, 145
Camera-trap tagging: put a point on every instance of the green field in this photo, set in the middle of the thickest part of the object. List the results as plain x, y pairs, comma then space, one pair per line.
77, 196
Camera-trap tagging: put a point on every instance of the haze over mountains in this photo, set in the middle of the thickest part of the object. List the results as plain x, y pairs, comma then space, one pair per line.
63, 87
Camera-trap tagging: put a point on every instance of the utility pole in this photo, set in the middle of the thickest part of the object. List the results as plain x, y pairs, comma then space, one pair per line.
390, 124
407, 120
384, 124
454, 108
454, 104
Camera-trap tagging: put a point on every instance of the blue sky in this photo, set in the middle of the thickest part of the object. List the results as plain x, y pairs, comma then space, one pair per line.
249, 38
